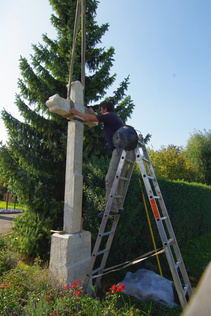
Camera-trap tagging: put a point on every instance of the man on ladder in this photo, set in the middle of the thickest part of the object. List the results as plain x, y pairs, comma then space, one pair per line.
111, 123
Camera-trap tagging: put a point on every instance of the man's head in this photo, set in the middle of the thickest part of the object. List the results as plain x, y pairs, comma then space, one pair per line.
107, 106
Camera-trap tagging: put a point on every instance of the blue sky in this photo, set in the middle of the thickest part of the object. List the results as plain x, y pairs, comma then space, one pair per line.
164, 45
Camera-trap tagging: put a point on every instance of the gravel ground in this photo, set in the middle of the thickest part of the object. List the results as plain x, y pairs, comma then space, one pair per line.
9, 211
6, 219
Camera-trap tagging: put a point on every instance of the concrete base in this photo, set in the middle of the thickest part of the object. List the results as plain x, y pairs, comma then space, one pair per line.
70, 256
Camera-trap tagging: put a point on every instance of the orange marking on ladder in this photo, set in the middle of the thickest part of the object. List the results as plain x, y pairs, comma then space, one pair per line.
154, 208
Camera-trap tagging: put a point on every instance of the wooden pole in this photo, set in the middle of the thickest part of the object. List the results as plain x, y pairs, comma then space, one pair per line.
7, 200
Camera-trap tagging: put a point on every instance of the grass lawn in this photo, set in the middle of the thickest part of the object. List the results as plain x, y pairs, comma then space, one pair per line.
11, 205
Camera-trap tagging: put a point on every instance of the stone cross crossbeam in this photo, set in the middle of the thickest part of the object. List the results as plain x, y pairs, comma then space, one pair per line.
62, 106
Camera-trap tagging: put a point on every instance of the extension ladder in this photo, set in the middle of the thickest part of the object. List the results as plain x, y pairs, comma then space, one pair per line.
172, 251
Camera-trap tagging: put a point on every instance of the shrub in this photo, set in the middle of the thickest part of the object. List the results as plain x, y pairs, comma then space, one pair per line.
32, 235
16, 285
30, 291
8, 259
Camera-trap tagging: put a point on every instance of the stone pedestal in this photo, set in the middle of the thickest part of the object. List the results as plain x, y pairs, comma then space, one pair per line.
70, 256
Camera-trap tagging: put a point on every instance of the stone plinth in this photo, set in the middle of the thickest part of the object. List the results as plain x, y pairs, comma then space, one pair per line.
70, 256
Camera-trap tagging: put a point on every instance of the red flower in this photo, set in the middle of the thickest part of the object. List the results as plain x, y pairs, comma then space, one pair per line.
77, 292
113, 288
74, 284
79, 281
118, 288
121, 287
66, 287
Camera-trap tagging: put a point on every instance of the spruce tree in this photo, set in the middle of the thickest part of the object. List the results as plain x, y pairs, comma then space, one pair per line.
33, 162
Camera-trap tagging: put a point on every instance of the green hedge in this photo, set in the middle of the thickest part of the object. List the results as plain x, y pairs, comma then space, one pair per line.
189, 208
188, 205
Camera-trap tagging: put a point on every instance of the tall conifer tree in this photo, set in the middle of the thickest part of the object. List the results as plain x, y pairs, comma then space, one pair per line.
33, 162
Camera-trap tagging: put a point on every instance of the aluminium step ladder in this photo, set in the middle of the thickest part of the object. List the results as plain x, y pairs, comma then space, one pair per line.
172, 251
174, 257
121, 182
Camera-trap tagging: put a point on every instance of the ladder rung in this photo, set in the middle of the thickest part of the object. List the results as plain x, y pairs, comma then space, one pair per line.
163, 218
96, 270
140, 143
145, 159
171, 240
129, 160
118, 196
185, 288
157, 197
102, 251
178, 264
123, 178
151, 178
107, 233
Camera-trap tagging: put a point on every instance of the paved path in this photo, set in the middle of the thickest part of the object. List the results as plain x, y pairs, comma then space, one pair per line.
6, 222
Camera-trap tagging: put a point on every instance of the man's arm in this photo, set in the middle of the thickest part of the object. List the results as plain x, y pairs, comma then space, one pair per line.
86, 117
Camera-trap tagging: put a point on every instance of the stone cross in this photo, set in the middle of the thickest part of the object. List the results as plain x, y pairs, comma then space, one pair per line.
74, 178
71, 251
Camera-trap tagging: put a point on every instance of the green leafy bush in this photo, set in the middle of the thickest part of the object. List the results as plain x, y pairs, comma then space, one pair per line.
8, 259
32, 235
